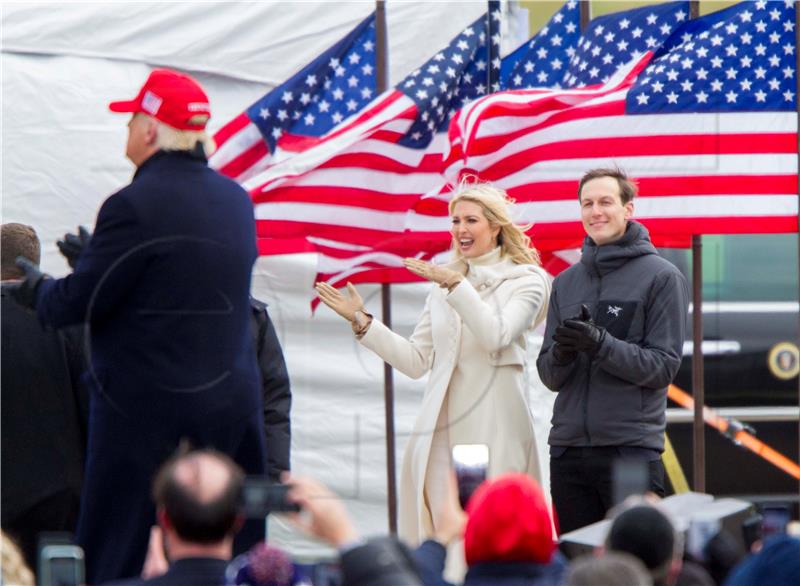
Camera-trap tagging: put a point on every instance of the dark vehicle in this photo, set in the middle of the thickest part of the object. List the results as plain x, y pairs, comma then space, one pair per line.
750, 334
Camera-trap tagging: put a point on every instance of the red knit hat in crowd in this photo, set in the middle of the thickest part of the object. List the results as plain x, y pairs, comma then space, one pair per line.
171, 97
508, 521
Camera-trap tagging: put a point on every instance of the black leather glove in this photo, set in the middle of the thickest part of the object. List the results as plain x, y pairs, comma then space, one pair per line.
563, 355
584, 315
24, 291
565, 352
73, 245
580, 336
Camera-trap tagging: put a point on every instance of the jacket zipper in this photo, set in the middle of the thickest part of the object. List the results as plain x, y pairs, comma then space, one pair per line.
591, 360
586, 406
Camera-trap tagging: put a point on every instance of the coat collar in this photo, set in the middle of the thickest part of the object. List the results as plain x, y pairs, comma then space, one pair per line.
601, 260
158, 158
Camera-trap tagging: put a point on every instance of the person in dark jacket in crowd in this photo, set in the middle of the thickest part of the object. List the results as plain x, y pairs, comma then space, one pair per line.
43, 411
613, 343
276, 391
719, 556
380, 561
508, 536
197, 496
164, 283
777, 563
645, 532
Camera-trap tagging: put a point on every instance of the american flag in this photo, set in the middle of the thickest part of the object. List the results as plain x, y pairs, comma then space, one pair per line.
542, 61
350, 194
616, 39
709, 129
291, 117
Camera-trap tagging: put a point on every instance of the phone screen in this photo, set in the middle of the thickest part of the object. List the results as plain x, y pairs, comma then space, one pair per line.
261, 496
775, 520
471, 462
61, 565
629, 477
751, 530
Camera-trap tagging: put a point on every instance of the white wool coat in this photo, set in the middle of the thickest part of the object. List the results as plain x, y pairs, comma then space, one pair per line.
473, 342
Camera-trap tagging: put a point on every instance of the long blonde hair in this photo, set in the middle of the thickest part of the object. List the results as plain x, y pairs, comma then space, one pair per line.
13, 564
496, 205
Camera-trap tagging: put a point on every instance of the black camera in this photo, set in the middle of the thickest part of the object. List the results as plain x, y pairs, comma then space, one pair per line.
261, 496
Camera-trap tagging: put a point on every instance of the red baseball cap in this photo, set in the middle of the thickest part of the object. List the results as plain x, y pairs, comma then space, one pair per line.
171, 97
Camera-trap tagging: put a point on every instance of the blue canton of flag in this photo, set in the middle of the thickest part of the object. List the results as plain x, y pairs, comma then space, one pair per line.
738, 59
613, 40
333, 87
461, 72
541, 61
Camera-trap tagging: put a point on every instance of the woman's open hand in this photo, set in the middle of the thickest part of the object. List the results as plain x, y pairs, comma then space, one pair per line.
344, 305
442, 276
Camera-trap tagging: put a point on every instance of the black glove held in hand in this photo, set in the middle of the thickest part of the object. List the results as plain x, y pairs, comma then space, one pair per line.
73, 244
24, 291
580, 336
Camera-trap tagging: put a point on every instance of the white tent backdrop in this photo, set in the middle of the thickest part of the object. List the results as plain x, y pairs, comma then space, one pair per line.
63, 154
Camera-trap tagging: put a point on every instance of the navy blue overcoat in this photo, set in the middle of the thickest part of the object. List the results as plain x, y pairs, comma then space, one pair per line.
164, 286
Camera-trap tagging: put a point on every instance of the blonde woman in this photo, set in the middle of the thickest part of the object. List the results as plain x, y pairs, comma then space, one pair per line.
471, 339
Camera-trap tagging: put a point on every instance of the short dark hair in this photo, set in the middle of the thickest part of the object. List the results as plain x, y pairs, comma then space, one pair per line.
195, 519
648, 534
627, 187
613, 567
17, 240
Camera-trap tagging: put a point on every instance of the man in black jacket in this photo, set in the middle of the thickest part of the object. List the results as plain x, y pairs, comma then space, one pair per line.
44, 410
613, 343
276, 391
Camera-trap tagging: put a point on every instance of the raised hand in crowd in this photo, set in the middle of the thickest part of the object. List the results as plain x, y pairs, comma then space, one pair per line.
156, 563
73, 245
323, 514
381, 561
450, 520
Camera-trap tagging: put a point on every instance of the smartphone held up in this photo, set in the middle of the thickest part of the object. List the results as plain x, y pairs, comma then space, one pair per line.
261, 496
471, 463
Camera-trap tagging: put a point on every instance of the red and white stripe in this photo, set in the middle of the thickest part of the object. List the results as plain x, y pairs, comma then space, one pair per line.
368, 202
355, 186
697, 173
241, 150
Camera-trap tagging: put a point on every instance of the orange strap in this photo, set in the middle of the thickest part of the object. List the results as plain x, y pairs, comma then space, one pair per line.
741, 436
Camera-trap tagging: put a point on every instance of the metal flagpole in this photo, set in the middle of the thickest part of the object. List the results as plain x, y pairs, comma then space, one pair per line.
698, 388
381, 82
586, 13
493, 46
797, 96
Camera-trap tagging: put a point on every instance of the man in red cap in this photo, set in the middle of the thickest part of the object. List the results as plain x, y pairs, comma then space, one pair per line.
508, 536
164, 285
